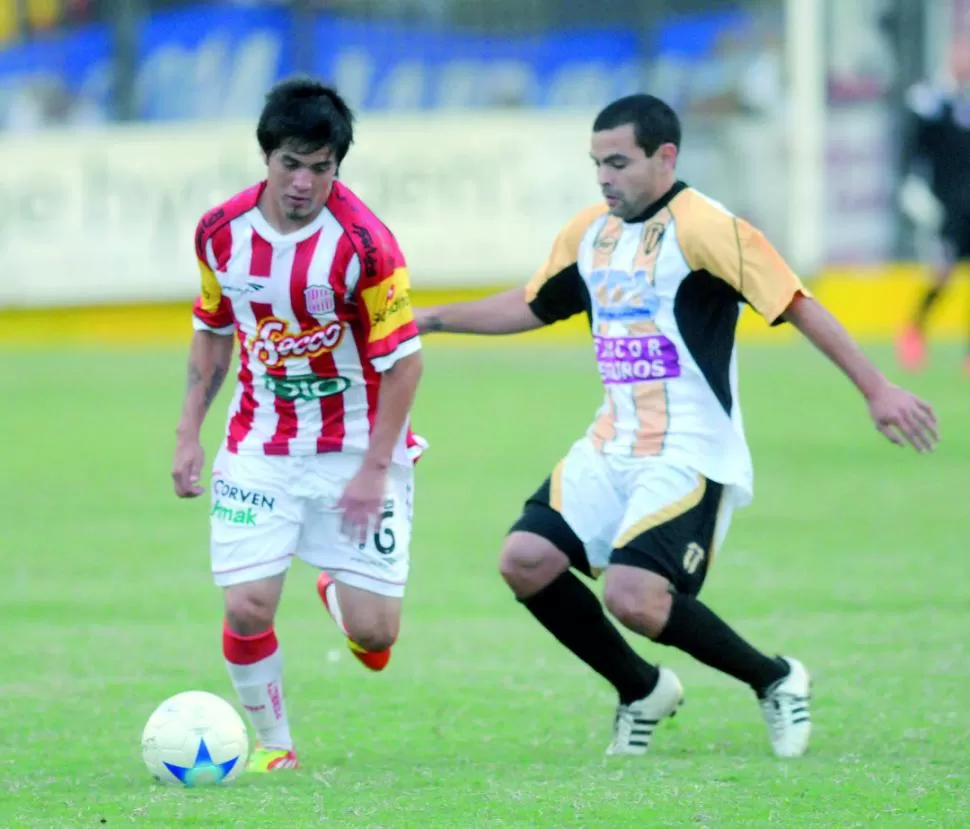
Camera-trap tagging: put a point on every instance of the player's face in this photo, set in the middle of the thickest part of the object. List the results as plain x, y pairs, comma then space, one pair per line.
630, 179
300, 183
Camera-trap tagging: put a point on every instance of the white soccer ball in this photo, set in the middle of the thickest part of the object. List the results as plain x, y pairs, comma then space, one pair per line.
195, 738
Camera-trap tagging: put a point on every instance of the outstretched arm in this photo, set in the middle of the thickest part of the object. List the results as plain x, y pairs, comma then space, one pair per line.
899, 415
556, 292
504, 313
734, 250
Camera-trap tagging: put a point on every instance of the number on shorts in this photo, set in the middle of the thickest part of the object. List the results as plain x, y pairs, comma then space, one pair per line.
693, 556
384, 539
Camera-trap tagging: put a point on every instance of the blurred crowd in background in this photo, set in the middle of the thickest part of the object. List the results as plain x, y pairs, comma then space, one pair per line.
721, 63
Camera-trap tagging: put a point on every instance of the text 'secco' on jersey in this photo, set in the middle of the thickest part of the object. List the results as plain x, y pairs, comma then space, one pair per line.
319, 314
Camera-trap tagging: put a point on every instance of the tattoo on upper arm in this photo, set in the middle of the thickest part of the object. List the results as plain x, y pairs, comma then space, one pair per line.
219, 373
432, 324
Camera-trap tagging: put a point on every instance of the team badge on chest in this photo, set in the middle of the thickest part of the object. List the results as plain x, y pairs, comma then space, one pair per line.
319, 300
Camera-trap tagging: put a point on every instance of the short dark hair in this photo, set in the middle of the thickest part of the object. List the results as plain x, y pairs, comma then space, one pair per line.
306, 114
654, 122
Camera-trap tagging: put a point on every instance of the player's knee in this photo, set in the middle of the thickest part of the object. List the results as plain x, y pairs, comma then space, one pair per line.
529, 562
248, 613
370, 620
375, 635
643, 609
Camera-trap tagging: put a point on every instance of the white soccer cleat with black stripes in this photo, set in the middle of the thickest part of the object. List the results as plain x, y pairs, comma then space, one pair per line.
634, 723
785, 709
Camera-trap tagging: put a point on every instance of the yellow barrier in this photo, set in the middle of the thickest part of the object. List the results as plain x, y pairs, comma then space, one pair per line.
873, 306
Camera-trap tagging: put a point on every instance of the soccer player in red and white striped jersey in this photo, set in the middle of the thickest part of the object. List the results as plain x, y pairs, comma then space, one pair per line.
318, 456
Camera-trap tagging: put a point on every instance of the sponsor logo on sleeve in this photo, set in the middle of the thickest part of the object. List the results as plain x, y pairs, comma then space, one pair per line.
388, 305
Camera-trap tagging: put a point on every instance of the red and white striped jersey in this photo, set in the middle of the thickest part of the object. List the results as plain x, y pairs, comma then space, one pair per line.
319, 314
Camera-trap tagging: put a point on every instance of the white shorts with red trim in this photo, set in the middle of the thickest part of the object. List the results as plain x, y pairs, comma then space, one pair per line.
267, 509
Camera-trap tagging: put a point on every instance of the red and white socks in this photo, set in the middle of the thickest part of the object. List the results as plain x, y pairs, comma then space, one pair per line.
256, 667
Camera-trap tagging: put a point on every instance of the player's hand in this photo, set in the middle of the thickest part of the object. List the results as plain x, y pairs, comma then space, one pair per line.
187, 468
361, 502
904, 418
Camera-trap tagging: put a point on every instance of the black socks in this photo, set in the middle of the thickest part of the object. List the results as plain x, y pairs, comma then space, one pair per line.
697, 630
571, 612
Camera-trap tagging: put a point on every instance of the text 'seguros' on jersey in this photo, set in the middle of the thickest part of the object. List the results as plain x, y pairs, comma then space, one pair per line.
663, 294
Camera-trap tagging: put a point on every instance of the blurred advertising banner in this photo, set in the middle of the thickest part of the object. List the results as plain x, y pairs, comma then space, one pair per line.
109, 214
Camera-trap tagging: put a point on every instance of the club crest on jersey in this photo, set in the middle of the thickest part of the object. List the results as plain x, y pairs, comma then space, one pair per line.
652, 234
273, 343
319, 300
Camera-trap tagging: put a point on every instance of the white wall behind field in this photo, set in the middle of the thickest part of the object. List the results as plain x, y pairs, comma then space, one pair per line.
108, 215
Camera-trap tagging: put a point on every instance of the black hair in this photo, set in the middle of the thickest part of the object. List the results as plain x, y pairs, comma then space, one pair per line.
307, 115
654, 122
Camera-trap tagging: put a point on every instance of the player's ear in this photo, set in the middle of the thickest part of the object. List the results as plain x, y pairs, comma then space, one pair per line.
668, 154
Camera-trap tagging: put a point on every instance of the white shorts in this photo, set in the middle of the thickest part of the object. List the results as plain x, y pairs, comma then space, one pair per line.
267, 509
652, 513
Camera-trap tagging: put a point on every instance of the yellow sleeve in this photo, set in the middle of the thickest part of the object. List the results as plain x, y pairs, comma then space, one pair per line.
212, 309
731, 249
387, 315
565, 250
211, 291
557, 291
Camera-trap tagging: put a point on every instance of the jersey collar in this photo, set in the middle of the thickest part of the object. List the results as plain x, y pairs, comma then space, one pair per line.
273, 236
658, 205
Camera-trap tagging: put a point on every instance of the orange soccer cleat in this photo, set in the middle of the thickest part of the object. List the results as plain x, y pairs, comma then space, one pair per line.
911, 349
375, 660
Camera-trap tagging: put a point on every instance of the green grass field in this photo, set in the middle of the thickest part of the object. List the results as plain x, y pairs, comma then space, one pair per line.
854, 557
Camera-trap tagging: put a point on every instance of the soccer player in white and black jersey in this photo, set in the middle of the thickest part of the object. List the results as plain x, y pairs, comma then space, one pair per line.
937, 158
646, 495
318, 455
